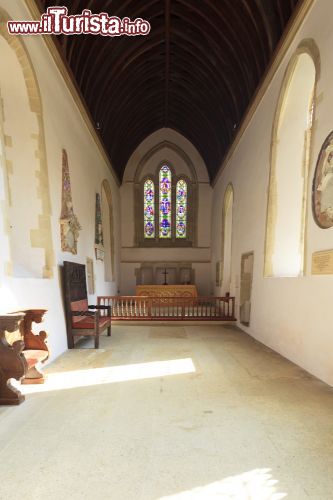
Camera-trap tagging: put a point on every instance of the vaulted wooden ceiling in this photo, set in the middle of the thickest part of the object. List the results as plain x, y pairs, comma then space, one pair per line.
196, 71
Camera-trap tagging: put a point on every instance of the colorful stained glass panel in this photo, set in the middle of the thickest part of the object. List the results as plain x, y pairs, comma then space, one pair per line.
149, 209
181, 209
165, 202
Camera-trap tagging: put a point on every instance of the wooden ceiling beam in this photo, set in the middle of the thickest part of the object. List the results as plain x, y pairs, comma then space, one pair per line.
167, 60
195, 72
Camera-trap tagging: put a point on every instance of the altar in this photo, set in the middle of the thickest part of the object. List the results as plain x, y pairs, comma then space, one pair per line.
166, 291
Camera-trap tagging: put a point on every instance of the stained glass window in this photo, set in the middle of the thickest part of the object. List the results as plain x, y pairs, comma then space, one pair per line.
171, 220
149, 209
181, 209
165, 202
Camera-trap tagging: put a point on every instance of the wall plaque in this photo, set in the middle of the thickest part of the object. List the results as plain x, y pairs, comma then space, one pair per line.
322, 262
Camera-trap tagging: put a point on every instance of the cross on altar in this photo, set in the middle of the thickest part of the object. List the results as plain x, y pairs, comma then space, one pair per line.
165, 272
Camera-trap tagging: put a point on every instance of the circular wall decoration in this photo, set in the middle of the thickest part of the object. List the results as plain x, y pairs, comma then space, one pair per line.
322, 187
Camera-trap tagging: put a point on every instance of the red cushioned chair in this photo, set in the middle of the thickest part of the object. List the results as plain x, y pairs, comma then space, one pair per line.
82, 319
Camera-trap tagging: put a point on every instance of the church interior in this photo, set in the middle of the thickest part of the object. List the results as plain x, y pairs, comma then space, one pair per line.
166, 258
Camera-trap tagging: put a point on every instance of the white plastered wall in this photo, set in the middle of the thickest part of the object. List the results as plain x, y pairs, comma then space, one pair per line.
294, 316
132, 256
64, 128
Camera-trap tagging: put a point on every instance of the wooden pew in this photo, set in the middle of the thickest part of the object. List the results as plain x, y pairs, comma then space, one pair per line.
35, 346
18, 359
12, 361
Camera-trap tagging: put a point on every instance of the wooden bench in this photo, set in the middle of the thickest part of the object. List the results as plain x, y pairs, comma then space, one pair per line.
18, 359
82, 319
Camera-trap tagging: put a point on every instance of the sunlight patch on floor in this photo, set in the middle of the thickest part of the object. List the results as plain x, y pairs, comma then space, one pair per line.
111, 374
257, 484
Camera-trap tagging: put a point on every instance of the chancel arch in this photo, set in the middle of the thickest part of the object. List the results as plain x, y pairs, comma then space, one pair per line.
290, 156
25, 197
227, 216
185, 256
108, 231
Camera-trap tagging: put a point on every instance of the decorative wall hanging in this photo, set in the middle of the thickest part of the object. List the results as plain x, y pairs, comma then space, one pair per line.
99, 242
69, 224
322, 188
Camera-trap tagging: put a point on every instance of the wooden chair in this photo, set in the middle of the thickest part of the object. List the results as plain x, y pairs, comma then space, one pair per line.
82, 319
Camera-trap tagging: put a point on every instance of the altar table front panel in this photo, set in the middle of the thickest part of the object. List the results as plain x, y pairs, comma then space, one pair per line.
166, 291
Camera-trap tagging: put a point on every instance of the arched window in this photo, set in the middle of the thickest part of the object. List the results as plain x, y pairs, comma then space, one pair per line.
165, 202
165, 207
149, 209
291, 141
26, 244
181, 209
227, 238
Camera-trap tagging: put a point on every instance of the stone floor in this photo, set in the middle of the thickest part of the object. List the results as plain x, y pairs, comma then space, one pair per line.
170, 412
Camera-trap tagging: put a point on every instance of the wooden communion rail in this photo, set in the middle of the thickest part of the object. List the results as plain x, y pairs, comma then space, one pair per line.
170, 308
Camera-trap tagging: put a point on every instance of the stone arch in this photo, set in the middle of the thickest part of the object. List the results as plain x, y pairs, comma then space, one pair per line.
174, 147
108, 230
227, 231
288, 182
29, 255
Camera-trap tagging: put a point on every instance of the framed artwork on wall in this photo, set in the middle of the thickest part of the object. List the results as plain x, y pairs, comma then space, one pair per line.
322, 187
